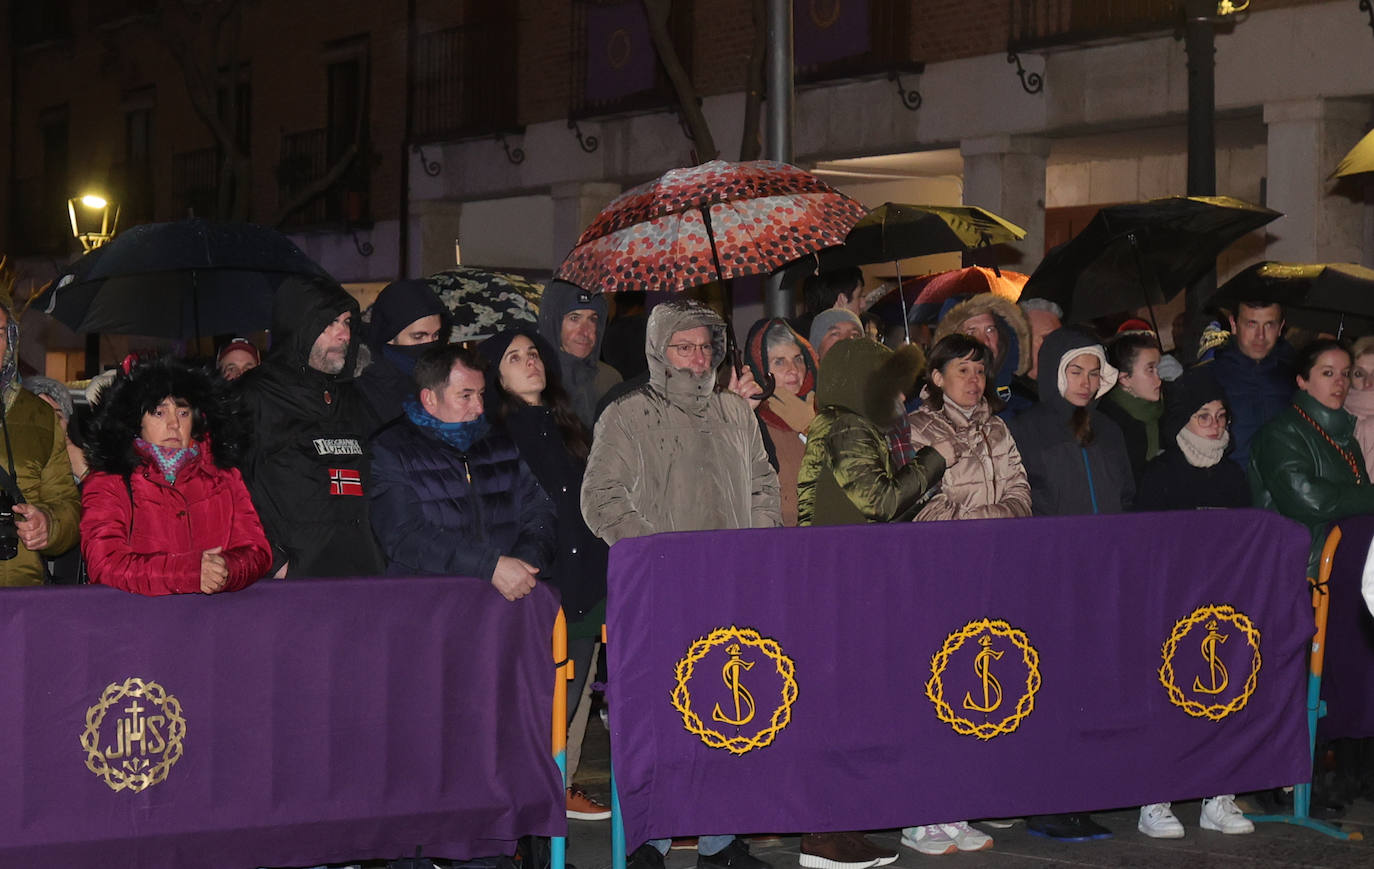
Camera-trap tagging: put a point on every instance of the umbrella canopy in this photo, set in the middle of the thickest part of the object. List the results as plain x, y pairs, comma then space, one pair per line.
1360, 159
1325, 297
893, 231
1142, 253
178, 280
485, 302
925, 295
711, 222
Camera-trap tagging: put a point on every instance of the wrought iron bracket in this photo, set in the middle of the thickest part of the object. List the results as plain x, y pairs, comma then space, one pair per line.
514, 154
364, 248
432, 167
910, 98
587, 143
1368, 6
1031, 82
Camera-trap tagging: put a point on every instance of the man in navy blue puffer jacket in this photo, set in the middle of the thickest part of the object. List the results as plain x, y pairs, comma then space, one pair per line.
450, 495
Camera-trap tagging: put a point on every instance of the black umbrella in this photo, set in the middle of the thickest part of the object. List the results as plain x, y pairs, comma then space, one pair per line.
178, 280
1324, 297
1142, 253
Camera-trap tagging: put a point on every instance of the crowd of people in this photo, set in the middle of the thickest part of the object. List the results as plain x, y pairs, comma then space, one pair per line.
522, 459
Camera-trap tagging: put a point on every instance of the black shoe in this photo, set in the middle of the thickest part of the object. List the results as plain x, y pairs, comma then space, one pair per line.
646, 856
733, 856
1067, 828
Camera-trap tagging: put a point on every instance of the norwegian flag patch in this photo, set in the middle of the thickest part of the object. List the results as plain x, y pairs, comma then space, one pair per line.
343, 481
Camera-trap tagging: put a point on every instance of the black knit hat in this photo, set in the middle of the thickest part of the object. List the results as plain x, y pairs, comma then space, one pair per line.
1183, 397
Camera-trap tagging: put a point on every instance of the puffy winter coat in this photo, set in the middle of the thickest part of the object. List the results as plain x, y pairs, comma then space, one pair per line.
1255, 391
309, 468
439, 511
674, 454
1295, 471
1066, 478
987, 479
848, 475
153, 543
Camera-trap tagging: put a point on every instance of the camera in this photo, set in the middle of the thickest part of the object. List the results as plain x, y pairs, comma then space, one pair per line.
9, 535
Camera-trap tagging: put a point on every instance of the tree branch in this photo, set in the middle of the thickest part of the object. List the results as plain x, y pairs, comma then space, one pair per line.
657, 12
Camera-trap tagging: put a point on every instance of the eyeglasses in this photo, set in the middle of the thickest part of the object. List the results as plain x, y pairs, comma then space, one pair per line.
688, 349
1204, 418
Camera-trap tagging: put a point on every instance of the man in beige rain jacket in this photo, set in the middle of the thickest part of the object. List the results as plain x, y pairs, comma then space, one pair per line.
676, 455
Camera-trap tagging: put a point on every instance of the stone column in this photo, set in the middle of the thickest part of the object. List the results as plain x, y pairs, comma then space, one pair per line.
1307, 138
1006, 175
575, 205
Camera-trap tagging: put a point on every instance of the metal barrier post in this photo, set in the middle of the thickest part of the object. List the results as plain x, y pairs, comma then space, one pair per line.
563, 671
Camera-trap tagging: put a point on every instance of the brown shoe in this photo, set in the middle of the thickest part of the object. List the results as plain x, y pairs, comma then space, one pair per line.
834, 851
883, 856
581, 807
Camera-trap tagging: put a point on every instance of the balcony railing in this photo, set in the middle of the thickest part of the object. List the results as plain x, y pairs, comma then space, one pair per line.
465, 78
195, 183
303, 162
1046, 23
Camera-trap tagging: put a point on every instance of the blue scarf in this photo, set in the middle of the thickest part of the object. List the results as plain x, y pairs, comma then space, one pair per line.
461, 435
169, 461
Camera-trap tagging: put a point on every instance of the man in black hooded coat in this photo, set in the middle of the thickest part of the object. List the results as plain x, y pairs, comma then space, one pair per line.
309, 469
407, 320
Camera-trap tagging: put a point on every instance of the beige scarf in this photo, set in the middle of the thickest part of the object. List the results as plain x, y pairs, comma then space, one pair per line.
1202, 452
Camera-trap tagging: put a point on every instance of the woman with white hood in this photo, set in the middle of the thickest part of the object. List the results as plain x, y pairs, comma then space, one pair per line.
1075, 457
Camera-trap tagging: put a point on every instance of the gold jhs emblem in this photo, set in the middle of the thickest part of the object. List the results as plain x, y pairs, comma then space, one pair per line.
954, 663
133, 734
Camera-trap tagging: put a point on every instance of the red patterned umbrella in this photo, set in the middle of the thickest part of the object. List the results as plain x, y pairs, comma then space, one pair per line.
711, 222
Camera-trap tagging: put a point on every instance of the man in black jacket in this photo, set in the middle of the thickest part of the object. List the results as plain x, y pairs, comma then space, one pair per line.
309, 470
407, 320
452, 496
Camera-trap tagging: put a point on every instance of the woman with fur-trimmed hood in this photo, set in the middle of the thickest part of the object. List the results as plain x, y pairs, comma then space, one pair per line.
1001, 326
165, 508
848, 476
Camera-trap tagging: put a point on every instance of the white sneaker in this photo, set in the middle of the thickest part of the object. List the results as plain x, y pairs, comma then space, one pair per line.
1220, 814
1158, 822
930, 839
966, 838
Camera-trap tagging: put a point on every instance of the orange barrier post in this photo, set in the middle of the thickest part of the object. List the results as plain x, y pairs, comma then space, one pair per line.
1321, 607
563, 671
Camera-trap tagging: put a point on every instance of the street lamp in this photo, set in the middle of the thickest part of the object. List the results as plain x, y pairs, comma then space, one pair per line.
94, 220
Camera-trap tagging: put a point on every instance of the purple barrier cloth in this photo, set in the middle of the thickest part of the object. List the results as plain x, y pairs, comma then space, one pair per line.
1348, 671
824, 32
318, 721
1069, 714
620, 56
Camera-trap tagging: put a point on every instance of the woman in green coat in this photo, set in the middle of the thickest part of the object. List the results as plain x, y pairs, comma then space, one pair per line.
1305, 463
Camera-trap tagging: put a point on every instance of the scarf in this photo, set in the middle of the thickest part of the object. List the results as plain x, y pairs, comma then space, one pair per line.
1146, 412
168, 460
1202, 452
459, 435
404, 357
1360, 403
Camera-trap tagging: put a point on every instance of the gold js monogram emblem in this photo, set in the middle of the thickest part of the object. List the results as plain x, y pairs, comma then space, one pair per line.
1214, 665
133, 734
1213, 618
1025, 658
982, 666
730, 673
777, 681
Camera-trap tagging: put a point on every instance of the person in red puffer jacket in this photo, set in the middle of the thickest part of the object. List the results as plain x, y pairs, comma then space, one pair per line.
165, 510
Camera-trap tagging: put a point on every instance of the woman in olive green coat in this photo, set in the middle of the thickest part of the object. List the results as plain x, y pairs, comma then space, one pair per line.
1306, 463
847, 475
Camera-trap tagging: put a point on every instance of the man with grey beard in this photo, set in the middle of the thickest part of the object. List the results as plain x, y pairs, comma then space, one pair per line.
308, 470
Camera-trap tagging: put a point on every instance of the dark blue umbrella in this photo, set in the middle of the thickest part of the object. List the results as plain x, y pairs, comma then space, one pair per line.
182, 279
